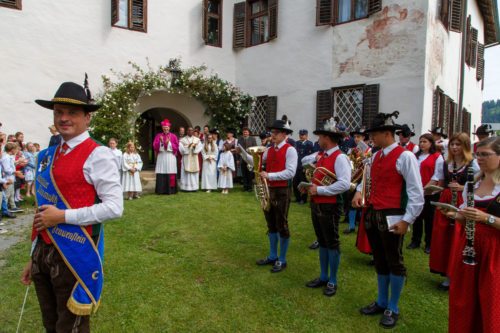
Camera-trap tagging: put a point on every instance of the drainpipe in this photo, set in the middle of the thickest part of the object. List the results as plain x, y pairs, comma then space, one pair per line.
462, 57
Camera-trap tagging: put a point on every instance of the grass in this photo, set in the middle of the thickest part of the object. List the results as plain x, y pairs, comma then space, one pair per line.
186, 263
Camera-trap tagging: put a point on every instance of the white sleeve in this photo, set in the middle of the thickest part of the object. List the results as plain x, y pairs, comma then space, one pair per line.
309, 159
99, 170
407, 166
343, 174
438, 169
139, 162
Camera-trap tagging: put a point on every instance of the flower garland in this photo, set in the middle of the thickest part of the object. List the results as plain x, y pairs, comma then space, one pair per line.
226, 105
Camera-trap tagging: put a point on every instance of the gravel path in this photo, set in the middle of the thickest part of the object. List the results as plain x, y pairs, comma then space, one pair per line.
17, 229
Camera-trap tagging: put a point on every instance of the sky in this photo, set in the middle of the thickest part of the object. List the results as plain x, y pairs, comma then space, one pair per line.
492, 72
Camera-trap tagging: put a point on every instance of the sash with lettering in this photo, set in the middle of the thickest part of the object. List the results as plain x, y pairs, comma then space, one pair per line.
81, 255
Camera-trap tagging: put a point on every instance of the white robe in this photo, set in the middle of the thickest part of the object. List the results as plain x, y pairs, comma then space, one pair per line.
190, 180
166, 162
131, 182
209, 174
226, 177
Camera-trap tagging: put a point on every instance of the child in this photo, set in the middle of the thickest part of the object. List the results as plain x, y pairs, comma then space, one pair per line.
29, 169
9, 169
226, 168
209, 174
132, 165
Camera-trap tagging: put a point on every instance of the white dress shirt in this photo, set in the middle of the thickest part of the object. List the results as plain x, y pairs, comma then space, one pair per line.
407, 166
342, 172
438, 167
290, 164
100, 170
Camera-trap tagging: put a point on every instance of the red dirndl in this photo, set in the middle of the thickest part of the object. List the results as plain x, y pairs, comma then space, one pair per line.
362, 242
443, 235
475, 290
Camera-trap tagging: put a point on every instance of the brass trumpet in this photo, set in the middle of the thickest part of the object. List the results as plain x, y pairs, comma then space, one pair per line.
312, 175
261, 186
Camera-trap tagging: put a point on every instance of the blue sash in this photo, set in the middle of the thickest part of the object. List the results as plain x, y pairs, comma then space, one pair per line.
81, 255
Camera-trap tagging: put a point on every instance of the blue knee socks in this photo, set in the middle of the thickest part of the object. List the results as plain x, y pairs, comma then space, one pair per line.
334, 261
352, 219
397, 283
283, 248
383, 290
323, 263
273, 245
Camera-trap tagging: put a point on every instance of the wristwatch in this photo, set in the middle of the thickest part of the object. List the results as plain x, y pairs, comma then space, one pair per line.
491, 220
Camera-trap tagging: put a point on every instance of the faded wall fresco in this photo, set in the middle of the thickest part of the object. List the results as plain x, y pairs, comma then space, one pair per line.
394, 39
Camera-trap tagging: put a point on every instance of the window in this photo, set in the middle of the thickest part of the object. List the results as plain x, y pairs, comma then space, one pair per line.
355, 106
331, 12
212, 22
129, 14
445, 114
451, 14
16, 4
480, 62
263, 113
255, 22
471, 44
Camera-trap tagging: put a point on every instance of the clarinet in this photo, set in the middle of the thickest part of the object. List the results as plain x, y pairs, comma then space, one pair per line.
454, 194
469, 253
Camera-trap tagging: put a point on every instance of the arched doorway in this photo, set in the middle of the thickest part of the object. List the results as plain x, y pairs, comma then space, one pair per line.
151, 126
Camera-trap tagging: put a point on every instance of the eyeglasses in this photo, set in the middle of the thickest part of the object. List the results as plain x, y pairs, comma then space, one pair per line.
484, 155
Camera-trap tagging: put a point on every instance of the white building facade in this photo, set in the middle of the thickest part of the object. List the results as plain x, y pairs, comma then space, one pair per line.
306, 59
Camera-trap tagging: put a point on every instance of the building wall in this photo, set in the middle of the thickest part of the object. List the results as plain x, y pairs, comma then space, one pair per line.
50, 42
387, 48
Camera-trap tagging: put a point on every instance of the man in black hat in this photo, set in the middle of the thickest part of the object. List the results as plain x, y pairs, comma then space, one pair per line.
395, 200
483, 132
405, 134
326, 205
281, 164
78, 187
246, 141
304, 147
441, 139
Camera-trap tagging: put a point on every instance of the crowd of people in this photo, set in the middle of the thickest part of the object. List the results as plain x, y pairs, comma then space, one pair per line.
365, 176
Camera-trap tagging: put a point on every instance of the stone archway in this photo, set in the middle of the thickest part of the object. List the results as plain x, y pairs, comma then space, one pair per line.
180, 109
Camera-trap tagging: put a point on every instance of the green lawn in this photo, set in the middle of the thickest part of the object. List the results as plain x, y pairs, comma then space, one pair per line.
186, 263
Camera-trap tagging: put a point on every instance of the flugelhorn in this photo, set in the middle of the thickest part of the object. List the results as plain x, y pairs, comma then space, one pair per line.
261, 186
313, 173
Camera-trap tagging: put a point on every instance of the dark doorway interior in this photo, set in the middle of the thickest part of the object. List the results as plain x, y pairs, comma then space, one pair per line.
152, 119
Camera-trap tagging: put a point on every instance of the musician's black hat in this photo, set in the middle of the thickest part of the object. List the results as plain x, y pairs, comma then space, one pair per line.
406, 131
439, 131
484, 129
330, 128
384, 122
359, 131
282, 124
70, 93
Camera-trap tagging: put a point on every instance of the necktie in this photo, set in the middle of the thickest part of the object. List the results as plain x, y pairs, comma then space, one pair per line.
325, 155
64, 149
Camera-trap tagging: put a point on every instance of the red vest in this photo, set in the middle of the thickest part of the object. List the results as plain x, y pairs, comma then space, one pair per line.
276, 162
409, 146
328, 163
427, 168
67, 171
386, 182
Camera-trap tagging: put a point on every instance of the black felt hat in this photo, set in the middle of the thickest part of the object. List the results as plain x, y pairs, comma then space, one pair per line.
70, 93
484, 130
406, 131
282, 124
359, 131
330, 128
439, 131
385, 122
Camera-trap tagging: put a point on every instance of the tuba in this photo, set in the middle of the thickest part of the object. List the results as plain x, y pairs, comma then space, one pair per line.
356, 157
261, 187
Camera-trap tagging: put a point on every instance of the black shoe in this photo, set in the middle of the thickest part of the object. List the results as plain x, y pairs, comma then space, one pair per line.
372, 309
413, 246
389, 319
9, 215
443, 287
330, 289
267, 261
278, 266
314, 245
427, 250
348, 231
316, 283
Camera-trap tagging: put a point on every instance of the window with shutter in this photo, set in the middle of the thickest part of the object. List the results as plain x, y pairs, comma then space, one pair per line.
468, 41
455, 15
15, 4
212, 22
473, 47
129, 14
273, 19
239, 31
466, 121
331, 12
480, 62
452, 119
261, 21
370, 104
348, 106
436, 103
324, 108
263, 113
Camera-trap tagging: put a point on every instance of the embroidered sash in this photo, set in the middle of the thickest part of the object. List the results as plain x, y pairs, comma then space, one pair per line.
74, 244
